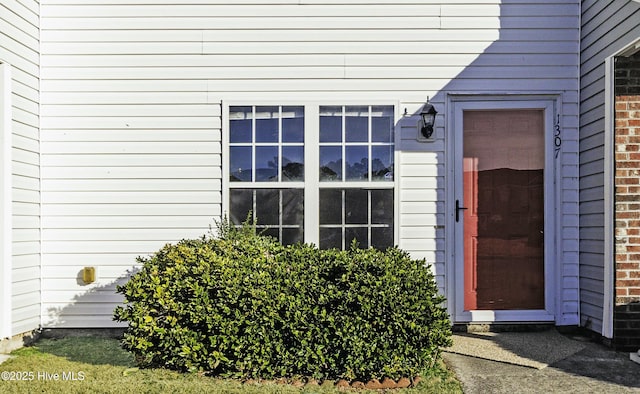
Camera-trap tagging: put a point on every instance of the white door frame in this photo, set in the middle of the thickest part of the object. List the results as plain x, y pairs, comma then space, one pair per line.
455, 256
609, 291
5, 201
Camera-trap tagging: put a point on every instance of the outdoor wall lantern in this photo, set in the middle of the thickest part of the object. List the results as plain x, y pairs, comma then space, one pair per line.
427, 120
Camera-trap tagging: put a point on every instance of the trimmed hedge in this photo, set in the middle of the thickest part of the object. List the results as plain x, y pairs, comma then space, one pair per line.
243, 305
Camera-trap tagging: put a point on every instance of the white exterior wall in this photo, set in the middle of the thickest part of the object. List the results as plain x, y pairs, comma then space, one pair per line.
19, 49
131, 98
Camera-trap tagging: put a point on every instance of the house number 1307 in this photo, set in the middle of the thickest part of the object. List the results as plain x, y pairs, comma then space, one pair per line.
557, 140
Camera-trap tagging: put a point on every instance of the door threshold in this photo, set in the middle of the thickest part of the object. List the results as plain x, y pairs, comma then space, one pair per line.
502, 327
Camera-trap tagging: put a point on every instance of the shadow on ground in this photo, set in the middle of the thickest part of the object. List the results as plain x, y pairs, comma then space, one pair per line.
96, 346
89, 350
593, 368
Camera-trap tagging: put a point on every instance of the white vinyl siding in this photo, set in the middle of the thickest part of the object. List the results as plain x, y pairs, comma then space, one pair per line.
6, 220
118, 182
607, 27
131, 98
19, 48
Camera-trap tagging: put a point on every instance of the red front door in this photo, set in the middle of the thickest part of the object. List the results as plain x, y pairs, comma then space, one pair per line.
503, 187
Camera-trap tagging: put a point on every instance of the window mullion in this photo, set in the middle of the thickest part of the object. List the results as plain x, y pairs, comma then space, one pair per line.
344, 145
311, 174
369, 148
280, 213
253, 145
280, 148
369, 221
343, 215
254, 206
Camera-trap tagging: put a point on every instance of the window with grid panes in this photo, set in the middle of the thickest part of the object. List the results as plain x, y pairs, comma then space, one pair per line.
353, 158
266, 169
356, 176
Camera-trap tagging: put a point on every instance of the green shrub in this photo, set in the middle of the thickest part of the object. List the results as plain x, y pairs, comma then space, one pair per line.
243, 305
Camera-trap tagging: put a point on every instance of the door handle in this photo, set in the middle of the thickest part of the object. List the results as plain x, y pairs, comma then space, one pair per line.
458, 209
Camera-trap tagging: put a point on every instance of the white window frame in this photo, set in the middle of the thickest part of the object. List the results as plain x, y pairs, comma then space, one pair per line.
311, 183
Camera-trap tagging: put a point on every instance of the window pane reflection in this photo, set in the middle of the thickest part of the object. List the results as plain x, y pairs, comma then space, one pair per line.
382, 124
267, 124
365, 151
330, 124
266, 163
240, 125
382, 162
357, 124
330, 163
293, 124
240, 163
292, 163
357, 166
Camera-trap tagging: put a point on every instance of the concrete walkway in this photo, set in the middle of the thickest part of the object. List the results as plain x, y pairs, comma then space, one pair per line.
593, 369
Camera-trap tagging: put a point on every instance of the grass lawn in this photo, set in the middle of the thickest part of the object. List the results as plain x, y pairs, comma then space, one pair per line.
99, 365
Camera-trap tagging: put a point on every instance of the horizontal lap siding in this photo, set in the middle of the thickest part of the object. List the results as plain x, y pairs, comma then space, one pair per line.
19, 47
130, 155
607, 27
119, 181
131, 105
